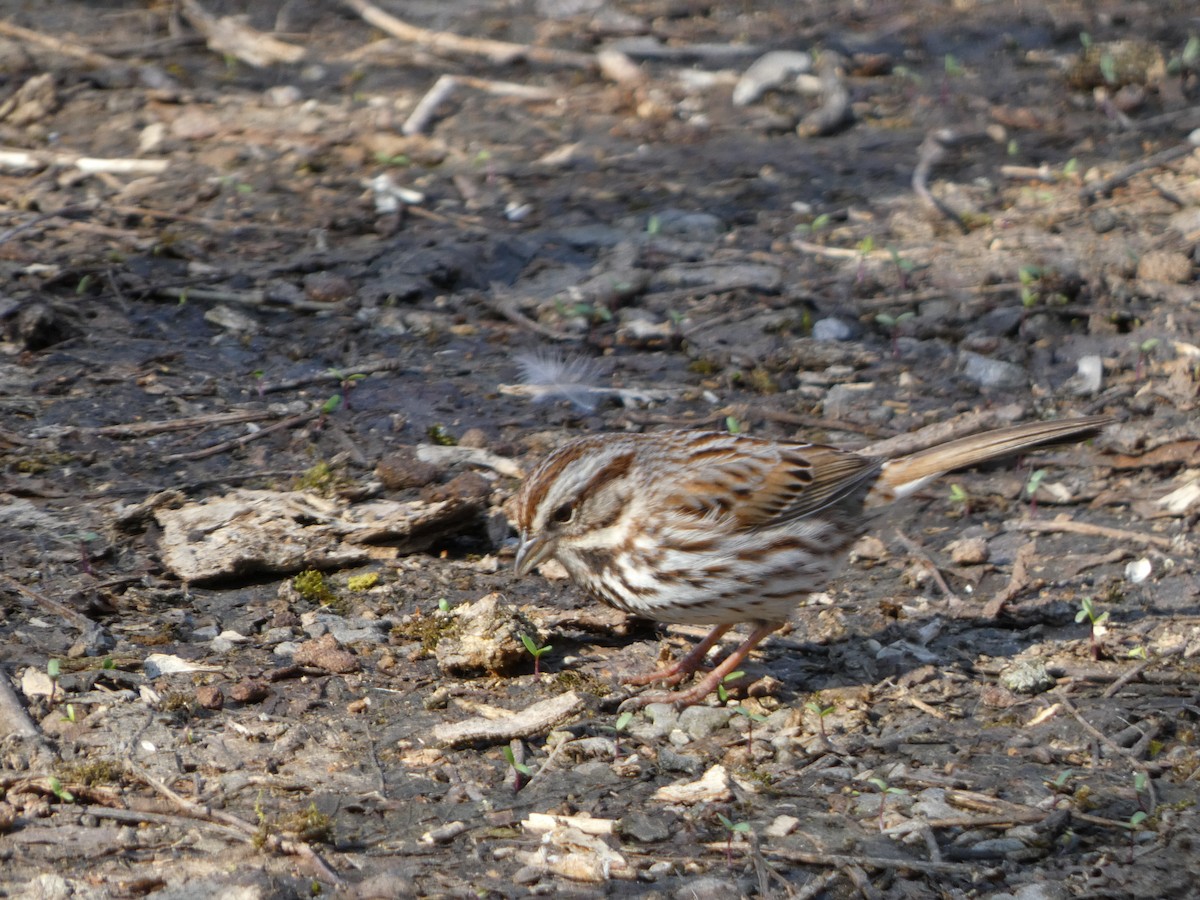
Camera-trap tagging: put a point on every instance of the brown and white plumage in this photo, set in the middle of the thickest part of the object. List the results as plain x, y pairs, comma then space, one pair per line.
713, 528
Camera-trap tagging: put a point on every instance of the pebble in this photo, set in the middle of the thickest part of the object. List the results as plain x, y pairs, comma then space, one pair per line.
992, 373
831, 330
671, 760
1027, 676
693, 226
345, 631
968, 551
1165, 265
701, 721
647, 827
708, 888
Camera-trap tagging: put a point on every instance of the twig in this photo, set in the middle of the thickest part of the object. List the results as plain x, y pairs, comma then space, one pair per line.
1139, 670
1116, 748
1017, 582
58, 45
931, 152
446, 85
188, 423
77, 619
231, 36
28, 159
1105, 187
826, 860
922, 556
289, 422
1063, 525
249, 832
447, 42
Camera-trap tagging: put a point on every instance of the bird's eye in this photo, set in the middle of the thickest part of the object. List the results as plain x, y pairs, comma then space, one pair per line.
563, 514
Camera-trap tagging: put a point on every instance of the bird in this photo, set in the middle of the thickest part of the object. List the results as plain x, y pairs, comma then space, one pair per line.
721, 529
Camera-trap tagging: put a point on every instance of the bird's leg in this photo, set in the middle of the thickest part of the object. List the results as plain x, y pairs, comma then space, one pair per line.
681, 669
695, 694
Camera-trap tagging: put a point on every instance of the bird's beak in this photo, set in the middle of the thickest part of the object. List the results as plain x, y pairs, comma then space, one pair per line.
533, 550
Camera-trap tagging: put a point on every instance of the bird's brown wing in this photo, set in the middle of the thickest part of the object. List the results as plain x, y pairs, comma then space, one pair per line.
761, 484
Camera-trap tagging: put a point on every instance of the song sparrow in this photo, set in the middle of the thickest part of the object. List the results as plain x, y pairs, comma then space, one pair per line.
711, 528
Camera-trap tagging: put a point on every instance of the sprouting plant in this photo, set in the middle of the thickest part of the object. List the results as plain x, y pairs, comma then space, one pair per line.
1145, 348
1013, 148
1140, 783
54, 670
346, 383
440, 436
953, 67
70, 715
59, 791
960, 497
1087, 612
1031, 487
893, 324
817, 709
732, 829
904, 267
1138, 652
884, 789
722, 693
1071, 168
443, 605
653, 225
732, 425
520, 770
536, 652
1060, 784
620, 725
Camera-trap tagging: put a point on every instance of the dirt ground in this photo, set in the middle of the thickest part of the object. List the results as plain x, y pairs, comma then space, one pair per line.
278, 343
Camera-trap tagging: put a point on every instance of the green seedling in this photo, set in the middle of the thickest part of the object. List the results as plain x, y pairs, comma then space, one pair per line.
59, 791
443, 605
732, 425
731, 830
904, 267
884, 789
1145, 348
536, 652
960, 497
1031, 487
893, 324
653, 226
1087, 613
820, 712
722, 693
521, 772
54, 670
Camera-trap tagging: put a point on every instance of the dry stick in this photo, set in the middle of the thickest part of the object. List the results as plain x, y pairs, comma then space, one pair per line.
923, 557
1137, 671
245, 298
249, 832
216, 449
869, 862
1067, 526
78, 619
1104, 188
27, 159
1116, 748
58, 45
447, 42
931, 152
425, 110
1017, 582
188, 423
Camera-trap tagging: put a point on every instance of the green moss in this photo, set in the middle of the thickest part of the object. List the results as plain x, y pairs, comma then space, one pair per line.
363, 582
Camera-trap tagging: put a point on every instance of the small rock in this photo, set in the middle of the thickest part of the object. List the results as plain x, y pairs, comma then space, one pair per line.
528, 875
968, 551
210, 696
402, 470
998, 846
701, 721
249, 690
843, 399
1102, 221
708, 888
466, 486
487, 638
647, 827
670, 760
831, 330
282, 95
1165, 265
781, 826
327, 287
693, 226
476, 438
1027, 676
992, 373
325, 653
